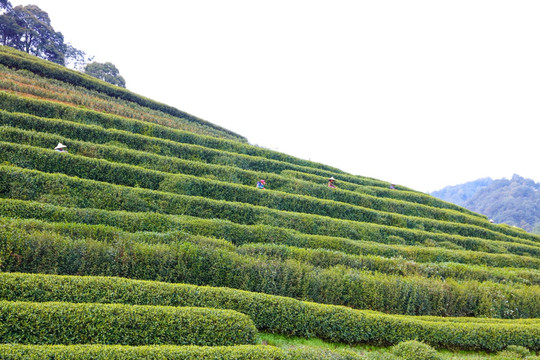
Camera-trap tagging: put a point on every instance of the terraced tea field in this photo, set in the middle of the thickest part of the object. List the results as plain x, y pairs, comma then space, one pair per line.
148, 238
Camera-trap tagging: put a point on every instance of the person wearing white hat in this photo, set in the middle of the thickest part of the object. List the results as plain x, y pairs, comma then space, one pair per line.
60, 147
331, 183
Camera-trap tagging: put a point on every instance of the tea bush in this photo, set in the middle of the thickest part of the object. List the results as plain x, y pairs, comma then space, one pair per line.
278, 314
60, 189
84, 323
19, 60
415, 350
231, 175
241, 234
166, 352
190, 262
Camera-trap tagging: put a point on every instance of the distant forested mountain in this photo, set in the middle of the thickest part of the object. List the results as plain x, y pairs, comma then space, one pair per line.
513, 202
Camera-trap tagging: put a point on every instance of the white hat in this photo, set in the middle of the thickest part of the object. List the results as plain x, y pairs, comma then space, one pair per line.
332, 178
60, 146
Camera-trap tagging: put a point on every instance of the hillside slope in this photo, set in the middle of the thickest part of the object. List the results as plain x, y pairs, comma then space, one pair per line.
157, 212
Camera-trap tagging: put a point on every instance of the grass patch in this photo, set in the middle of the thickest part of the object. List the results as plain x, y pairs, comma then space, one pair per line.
369, 351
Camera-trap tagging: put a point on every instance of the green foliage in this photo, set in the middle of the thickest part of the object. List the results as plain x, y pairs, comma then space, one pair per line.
511, 201
415, 350
231, 174
398, 266
279, 314
513, 352
67, 323
52, 110
219, 151
31, 85
63, 190
19, 60
518, 350
196, 263
106, 72
317, 257
46, 160
166, 352
382, 356
241, 234
195, 152
381, 190
140, 196
28, 28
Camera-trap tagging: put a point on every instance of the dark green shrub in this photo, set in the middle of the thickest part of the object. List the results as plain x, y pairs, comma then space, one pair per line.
279, 314
85, 323
415, 350
519, 350
513, 352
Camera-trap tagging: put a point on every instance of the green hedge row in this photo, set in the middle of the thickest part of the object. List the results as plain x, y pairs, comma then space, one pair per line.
12, 103
316, 257
19, 60
384, 192
100, 135
277, 314
66, 323
394, 266
413, 196
140, 143
242, 234
223, 173
16, 59
129, 175
33, 86
119, 153
53, 110
167, 352
59, 189
112, 234
474, 320
192, 263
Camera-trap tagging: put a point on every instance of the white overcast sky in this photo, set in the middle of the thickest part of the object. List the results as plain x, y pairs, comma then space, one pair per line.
420, 93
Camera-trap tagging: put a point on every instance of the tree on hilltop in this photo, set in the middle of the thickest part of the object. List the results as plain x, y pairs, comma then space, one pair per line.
28, 28
8, 24
37, 36
9, 30
106, 72
5, 5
